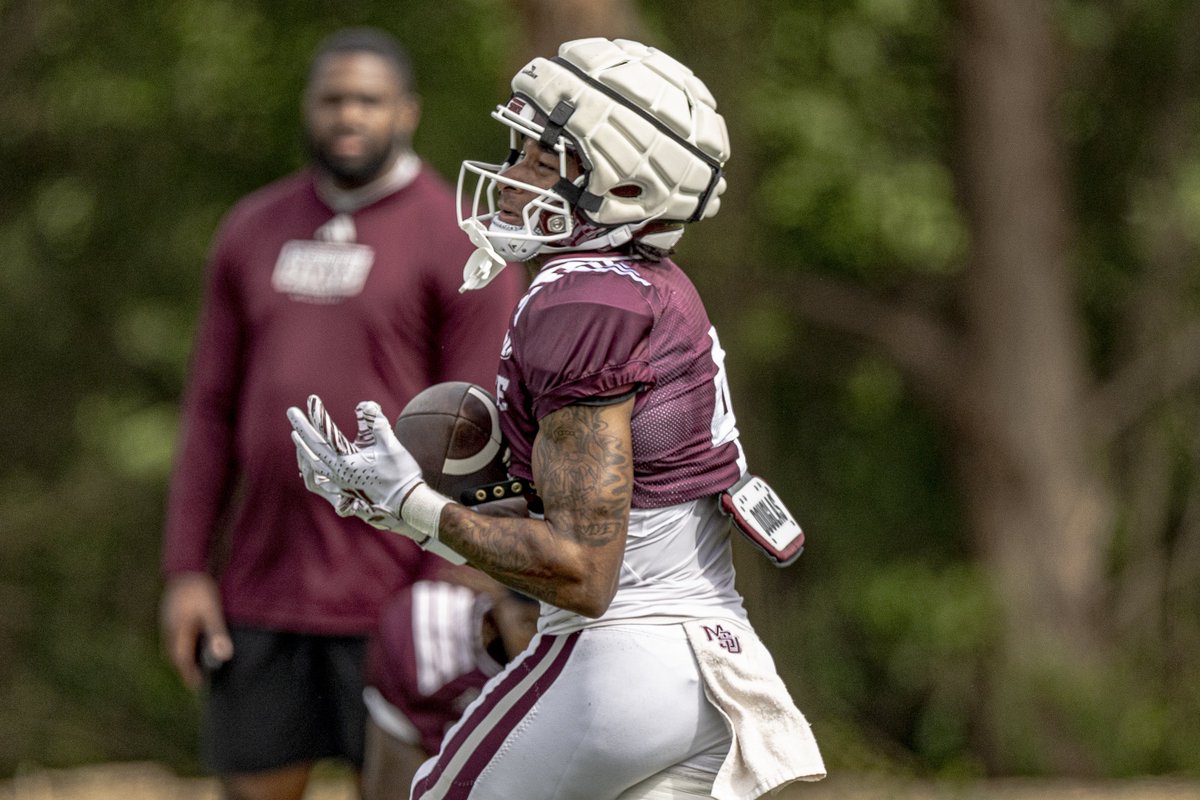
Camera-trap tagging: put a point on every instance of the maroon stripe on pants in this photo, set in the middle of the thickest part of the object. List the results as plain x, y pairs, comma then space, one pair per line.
464, 780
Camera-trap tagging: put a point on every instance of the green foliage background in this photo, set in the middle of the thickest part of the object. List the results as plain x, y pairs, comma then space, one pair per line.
127, 129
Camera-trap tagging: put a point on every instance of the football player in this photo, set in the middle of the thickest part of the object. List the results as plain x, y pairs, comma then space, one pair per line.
646, 679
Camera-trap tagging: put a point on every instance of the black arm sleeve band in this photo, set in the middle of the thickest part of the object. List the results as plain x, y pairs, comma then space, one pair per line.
608, 399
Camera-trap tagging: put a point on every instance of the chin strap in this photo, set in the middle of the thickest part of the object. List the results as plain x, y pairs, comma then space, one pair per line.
610, 239
485, 263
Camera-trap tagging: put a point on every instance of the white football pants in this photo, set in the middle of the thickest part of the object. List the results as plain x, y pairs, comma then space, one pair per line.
585, 716
676, 783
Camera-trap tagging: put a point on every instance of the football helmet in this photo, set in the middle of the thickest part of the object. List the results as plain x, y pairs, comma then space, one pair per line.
646, 133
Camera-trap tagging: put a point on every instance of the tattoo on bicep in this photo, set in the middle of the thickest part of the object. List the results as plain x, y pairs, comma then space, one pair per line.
584, 473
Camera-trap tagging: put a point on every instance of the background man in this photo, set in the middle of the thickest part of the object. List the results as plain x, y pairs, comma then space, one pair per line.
341, 278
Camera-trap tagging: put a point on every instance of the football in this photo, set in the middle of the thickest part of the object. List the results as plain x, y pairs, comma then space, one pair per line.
453, 431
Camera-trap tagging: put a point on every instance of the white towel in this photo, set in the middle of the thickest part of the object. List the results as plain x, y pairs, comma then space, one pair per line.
773, 744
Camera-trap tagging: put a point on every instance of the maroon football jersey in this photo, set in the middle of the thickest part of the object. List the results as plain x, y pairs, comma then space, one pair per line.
427, 659
592, 324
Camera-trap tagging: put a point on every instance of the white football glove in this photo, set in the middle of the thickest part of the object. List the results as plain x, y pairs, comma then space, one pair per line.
315, 479
375, 467
371, 477
317, 483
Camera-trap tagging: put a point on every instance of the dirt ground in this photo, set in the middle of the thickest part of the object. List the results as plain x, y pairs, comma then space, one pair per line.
152, 782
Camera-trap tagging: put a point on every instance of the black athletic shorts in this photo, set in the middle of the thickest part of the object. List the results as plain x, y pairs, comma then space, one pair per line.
284, 698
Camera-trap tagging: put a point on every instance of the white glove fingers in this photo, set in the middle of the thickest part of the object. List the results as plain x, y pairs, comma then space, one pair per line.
366, 413
311, 469
348, 506
305, 457
381, 429
360, 496
322, 422
314, 444
310, 478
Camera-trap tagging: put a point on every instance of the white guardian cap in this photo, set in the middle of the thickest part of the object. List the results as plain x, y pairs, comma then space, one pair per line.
647, 136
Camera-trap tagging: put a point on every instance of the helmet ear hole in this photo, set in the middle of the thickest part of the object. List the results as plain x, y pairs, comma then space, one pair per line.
626, 190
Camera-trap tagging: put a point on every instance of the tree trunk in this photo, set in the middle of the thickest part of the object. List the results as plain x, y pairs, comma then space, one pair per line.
1039, 509
549, 23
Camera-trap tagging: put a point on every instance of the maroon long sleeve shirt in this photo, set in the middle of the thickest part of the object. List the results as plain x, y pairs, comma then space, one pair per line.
285, 316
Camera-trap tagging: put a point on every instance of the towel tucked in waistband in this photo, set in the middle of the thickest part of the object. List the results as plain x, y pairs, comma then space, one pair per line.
773, 744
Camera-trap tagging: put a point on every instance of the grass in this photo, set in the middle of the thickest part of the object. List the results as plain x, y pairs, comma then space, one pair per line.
146, 781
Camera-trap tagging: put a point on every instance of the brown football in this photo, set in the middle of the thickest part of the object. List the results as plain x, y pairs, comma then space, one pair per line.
453, 430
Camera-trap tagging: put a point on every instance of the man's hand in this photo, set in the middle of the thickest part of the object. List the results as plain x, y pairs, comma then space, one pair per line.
369, 478
191, 618
320, 485
375, 468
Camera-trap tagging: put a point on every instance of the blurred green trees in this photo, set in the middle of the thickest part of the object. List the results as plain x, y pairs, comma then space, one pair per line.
127, 129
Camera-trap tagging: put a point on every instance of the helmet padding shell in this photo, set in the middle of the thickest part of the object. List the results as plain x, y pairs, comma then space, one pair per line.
646, 129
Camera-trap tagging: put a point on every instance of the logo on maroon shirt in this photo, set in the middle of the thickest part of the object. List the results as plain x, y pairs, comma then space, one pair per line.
322, 272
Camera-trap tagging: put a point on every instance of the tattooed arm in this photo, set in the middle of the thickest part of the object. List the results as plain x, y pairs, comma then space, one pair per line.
583, 468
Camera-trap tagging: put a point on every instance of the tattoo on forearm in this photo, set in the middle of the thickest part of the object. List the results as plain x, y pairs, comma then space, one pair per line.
498, 546
584, 472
